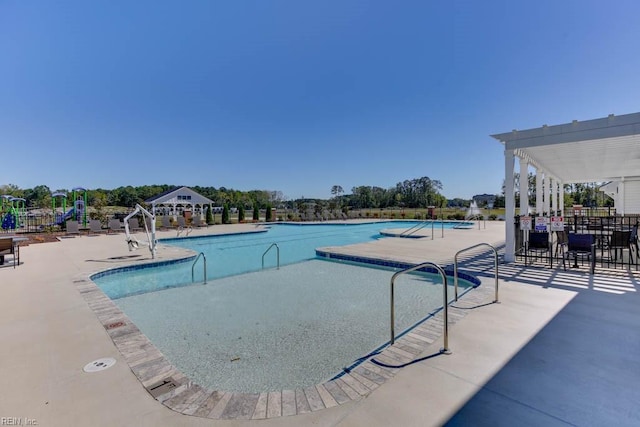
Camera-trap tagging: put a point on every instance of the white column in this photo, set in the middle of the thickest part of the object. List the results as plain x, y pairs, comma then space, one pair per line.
554, 195
524, 187
510, 206
620, 200
539, 193
562, 190
547, 193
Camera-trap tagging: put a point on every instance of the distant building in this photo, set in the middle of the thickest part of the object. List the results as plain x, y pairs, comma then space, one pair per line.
179, 199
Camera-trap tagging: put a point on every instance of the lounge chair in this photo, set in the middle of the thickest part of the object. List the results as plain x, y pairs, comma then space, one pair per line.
538, 244
9, 247
95, 226
197, 221
134, 225
166, 223
580, 246
72, 227
115, 225
182, 222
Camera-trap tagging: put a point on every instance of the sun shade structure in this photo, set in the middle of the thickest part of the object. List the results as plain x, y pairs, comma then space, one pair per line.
599, 150
180, 197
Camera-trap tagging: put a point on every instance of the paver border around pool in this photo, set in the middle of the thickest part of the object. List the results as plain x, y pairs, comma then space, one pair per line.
173, 389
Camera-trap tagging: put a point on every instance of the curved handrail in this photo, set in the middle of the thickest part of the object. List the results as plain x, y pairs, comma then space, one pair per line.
455, 268
277, 252
445, 307
415, 228
204, 258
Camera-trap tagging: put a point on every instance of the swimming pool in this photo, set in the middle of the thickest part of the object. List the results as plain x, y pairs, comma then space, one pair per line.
280, 329
253, 330
228, 255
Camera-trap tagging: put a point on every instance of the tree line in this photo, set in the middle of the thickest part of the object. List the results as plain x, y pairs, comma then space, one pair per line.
412, 194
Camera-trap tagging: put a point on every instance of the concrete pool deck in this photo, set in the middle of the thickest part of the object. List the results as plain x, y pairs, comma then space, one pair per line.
561, 347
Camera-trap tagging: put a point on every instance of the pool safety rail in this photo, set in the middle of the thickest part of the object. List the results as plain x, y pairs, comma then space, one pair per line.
455, 267
277, 255
445, 307
415, 228
204, 259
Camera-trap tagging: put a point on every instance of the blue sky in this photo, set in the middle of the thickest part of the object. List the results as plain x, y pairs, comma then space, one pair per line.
298, 96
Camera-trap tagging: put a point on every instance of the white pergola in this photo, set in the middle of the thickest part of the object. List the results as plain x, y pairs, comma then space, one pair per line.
599, 150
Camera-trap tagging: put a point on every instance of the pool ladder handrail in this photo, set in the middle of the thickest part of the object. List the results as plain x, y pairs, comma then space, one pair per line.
418, 226
445, 308
455, 268
277, 255
204, 258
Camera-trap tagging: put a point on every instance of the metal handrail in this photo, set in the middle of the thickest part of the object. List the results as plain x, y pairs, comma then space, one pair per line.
204, 258
277, 252
455, 268
418, 226
445, 307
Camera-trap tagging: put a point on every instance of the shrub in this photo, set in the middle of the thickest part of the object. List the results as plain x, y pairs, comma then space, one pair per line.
268, 217
417, 215
256, 212
241, 213
209, 218
225, 214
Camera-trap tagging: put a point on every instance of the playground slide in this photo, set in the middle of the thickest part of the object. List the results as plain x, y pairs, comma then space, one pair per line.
65, 217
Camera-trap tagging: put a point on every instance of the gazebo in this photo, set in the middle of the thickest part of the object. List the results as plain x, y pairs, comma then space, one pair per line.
172, 201
599, 150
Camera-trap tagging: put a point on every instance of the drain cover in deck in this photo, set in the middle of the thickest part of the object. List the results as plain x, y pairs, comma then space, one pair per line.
100, 364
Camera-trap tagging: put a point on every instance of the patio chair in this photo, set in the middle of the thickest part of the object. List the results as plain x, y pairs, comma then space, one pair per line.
580, 246
9, 247
134, 225
166, 223
538, 244
561, 242
197, 221
95, 226
115, 225
618, 242
72, 227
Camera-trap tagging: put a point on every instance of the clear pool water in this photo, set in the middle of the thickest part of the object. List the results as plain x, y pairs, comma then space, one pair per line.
236, 254
280, 329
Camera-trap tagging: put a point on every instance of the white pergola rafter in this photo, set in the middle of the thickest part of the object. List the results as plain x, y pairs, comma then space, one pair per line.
599, 150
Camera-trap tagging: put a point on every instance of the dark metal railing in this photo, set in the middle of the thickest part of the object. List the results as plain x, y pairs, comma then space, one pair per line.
616, 242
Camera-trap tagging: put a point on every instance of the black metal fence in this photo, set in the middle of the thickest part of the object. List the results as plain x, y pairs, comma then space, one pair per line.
614, 243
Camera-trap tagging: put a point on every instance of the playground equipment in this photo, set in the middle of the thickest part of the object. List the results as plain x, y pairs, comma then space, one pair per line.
60, 218
13, 209
79, 196
149, 221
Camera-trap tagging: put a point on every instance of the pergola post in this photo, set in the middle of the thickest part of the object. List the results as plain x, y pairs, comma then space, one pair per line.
524, 186
539, 193
547, 194
561, 196
554, 195
510, 206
